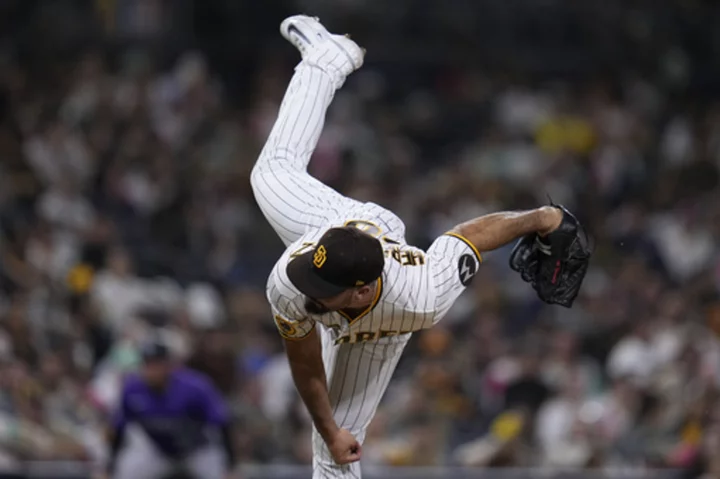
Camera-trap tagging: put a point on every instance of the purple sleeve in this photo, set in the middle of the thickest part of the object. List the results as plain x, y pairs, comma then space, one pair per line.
213, 405
121, 415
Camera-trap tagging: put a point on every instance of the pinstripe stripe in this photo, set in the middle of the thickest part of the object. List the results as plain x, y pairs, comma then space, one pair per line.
271, 217
282, 211
314, 76
388, 371
367, 378
478, 256
284, 117
309, 147
341, 381
290, 199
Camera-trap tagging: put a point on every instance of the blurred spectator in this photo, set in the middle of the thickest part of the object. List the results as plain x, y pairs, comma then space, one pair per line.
633, 357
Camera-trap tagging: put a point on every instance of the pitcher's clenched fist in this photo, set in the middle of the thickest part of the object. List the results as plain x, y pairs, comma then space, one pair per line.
344, 447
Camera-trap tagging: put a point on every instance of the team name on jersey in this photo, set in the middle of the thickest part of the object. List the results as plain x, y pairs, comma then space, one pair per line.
406, 257
363, 336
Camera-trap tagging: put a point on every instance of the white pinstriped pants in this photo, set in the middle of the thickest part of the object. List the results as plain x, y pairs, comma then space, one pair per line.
295, 202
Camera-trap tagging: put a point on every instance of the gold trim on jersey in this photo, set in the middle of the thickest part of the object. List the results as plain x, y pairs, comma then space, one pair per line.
301, 338
376, 299
467, 242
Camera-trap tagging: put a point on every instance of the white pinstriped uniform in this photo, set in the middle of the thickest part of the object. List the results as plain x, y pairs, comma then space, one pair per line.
416, 288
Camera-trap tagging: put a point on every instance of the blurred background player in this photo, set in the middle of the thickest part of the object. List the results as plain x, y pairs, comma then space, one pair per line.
169, 420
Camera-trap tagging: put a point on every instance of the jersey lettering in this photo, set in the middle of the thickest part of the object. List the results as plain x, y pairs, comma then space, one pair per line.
365, 336
406, 258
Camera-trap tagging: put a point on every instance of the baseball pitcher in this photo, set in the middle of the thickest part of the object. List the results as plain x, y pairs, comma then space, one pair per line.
349, 291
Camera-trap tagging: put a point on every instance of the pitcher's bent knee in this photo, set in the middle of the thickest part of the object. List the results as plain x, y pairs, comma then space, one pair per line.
256, 178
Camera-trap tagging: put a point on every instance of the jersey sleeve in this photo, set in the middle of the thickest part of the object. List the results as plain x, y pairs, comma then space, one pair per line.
453, 262
287, 304
292, 329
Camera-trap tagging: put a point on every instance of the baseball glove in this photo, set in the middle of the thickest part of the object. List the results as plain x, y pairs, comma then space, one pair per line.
555, 265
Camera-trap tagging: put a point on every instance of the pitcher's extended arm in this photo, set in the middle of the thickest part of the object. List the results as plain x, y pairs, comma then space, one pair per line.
494, 230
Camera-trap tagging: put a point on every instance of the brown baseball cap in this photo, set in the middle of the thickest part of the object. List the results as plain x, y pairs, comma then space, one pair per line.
343, 258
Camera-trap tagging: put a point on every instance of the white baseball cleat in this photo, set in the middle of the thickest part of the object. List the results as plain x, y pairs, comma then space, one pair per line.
336, 54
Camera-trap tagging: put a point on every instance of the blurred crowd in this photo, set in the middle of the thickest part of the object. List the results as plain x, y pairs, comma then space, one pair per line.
125, 206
